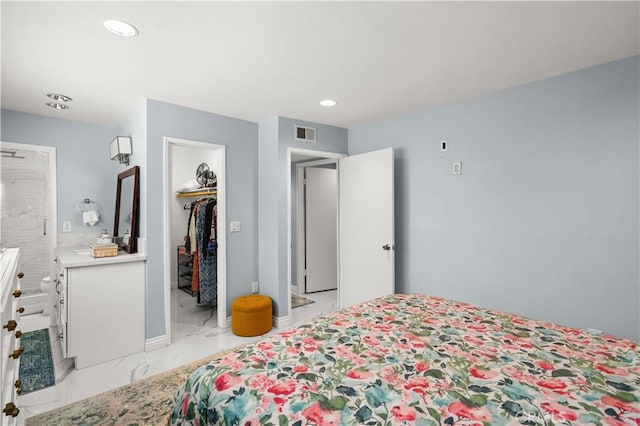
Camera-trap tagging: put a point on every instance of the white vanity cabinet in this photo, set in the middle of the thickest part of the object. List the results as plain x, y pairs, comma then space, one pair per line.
101, 306
10, 349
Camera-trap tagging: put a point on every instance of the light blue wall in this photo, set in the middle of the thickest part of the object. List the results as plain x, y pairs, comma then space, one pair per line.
275, 138
136, 126
268, 209
84, 169
240, 138
543, 220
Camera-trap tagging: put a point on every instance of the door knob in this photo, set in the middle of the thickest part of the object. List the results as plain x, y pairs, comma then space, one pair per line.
386, 247
20, 274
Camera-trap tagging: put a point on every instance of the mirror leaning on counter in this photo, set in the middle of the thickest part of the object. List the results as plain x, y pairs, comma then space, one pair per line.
125, 227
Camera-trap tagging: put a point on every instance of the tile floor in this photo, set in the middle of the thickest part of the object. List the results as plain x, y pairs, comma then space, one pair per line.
194, 336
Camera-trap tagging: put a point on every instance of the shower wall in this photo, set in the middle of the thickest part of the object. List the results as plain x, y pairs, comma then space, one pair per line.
24, 211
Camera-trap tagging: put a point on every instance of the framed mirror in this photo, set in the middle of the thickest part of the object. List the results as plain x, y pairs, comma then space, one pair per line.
125, 227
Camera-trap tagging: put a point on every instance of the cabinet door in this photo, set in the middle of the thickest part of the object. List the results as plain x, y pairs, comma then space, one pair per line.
106, 312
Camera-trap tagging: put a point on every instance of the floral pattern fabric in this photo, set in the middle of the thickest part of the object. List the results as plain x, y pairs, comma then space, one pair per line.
414, 359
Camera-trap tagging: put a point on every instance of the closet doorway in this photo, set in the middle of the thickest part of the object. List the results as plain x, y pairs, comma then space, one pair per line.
312, 230
194, 237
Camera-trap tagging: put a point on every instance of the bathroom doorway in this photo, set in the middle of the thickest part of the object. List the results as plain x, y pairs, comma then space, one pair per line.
194, 175
28, 213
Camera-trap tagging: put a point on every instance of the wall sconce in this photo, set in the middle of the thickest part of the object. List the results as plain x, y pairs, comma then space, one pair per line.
120, 148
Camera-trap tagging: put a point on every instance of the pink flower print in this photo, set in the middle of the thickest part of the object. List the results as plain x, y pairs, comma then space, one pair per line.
482, 374
283, 388
300, 368
422, 366
545, 365
370, 340
359, 375
419, 382
226, 380
612, 370
265, 345
185, 404
316, 415
620, 405
481, 414
403, 413
260, 382
552, 383
558, 411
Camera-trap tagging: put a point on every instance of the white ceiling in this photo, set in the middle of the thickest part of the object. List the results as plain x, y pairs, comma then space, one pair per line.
258, 60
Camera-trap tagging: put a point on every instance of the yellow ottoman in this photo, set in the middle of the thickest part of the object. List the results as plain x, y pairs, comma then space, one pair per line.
251, 315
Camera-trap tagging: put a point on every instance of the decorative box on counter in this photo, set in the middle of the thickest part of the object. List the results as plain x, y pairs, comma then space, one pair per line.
104, 250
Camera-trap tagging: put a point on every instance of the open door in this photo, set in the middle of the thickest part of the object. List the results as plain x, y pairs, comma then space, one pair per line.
366, 220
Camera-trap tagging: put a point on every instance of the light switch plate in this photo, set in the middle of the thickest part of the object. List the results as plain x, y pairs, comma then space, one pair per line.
457, 168
234, 227
66, 226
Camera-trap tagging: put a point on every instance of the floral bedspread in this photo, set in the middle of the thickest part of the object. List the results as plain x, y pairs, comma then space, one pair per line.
413, 359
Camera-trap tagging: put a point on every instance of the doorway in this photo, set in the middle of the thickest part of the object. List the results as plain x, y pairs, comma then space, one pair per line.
298, 161
29, 216
194, 174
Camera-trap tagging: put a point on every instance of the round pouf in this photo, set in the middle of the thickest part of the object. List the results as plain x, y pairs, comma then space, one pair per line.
251, 315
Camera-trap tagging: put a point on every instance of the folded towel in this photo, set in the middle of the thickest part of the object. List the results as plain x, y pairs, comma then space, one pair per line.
90, 217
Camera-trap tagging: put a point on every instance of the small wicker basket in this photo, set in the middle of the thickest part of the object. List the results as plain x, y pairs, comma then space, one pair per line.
104, 250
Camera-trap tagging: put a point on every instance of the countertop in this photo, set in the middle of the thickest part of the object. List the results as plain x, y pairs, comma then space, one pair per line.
75, 258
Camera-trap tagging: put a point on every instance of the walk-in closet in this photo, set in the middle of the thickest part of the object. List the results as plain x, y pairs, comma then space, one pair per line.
193, 226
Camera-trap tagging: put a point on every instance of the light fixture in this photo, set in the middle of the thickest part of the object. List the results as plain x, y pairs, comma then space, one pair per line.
328, 103
120, 28
59, 97
120, 148
57, 105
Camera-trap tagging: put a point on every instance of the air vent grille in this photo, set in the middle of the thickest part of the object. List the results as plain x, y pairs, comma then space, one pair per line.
303, 133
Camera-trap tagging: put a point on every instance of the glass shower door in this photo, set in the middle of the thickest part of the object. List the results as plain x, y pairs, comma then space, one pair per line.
25, 208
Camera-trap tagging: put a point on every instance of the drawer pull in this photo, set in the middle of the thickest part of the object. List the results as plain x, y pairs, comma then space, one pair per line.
18, 334
16, 354
20, 274
18, 385
11, 325
20, 310
17, 293
10, 409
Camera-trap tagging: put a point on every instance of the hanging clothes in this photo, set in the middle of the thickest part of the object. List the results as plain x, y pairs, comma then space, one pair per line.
201, 242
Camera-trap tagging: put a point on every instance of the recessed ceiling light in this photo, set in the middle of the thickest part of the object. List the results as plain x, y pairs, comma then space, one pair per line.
120, 28
56, 105
328, 103
59, 97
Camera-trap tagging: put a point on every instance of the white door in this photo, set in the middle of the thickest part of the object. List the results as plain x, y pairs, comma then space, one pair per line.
321, 220
367, 266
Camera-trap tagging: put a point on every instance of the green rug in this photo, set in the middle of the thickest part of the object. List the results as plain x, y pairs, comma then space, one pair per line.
145, 402
36, 362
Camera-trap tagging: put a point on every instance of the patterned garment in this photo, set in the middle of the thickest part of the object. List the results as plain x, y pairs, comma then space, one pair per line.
413, 359
207, 261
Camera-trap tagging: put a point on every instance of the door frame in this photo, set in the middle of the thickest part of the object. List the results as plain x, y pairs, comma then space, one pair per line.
312, 153
52, 224
168, 141
301, 240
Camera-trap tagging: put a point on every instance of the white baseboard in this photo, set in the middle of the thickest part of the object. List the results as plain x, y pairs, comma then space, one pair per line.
155, 343
282, 322
295, 289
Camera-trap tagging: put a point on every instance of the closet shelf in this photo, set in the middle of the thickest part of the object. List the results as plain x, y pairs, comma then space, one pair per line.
201, 193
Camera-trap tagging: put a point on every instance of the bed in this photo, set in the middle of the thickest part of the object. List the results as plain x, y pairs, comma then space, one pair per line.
414, 359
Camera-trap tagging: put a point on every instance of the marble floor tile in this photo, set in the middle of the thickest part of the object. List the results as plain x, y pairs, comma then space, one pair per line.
194, 335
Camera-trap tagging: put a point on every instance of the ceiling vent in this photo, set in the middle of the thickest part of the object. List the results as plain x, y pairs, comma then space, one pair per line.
302, 133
